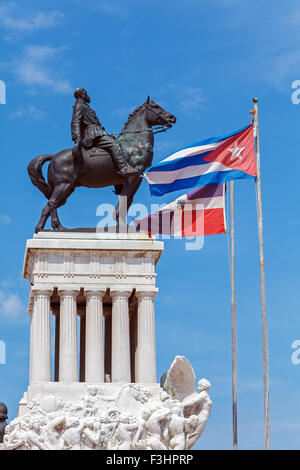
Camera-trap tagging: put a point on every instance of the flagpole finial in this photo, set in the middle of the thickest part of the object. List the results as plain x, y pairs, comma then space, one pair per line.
255, 99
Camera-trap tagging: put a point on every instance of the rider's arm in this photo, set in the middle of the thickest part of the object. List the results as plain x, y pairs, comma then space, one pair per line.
76, 121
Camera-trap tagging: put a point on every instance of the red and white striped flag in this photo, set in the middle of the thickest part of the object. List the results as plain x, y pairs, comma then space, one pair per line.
199, 212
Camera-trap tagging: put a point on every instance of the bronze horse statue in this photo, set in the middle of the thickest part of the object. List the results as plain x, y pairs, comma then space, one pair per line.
65, 172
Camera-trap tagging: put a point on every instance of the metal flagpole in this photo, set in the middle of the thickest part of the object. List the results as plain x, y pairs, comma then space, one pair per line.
262, 283
233, 321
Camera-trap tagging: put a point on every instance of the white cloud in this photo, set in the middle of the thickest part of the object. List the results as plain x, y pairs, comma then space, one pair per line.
4, 219
37, 68
191, 99
112, 8
281, 69
188, 98
12, 21
109, 7
291, 16
31, 112
11, 305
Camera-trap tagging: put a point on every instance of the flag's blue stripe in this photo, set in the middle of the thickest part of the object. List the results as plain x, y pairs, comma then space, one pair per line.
210, 140
182, 162
215, 177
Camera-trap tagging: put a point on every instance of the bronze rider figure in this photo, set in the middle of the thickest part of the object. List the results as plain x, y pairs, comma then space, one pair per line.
87, 130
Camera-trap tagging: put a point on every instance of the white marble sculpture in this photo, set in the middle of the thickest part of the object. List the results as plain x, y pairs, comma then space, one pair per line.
124, 417
104, 395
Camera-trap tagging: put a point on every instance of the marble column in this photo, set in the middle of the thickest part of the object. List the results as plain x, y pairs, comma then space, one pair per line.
107, 343
82, 342
120, 354
146, 352
133, 340
40, 340
94, 351
68, 359
55, 312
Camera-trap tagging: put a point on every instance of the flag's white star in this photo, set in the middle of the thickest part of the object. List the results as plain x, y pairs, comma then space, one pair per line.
236, 152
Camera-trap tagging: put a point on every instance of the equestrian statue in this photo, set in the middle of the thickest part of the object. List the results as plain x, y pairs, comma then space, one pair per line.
98, 159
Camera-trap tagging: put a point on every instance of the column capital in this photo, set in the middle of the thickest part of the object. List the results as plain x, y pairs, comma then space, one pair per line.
122, 292
94, 293
146, 293
68, 291
40, 291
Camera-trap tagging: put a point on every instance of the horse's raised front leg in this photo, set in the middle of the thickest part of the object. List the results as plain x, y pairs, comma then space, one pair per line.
58, 198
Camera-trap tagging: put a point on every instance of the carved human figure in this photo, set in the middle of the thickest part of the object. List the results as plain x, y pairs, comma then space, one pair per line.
177, 428
194, 403
34, 439
90, 400
199, 405
14, 439
140, 438
91, 436
122, 435
108, 428
24, 437
154, 428
192, 424
54, 431
72, 435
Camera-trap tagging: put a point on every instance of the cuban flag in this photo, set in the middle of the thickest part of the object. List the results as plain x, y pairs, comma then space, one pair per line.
199, 212
211, 161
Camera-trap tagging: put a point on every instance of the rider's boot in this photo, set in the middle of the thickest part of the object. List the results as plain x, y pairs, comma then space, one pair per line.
123, 167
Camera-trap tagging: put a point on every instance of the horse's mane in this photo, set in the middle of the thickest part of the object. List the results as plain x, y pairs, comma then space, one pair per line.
131, 115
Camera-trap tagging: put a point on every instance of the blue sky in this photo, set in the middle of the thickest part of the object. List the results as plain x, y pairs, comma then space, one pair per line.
203, 61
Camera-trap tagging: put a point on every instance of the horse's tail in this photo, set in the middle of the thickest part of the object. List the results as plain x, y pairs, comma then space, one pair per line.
36, 175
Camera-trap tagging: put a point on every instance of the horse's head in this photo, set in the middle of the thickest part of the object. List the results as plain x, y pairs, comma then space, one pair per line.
157, 116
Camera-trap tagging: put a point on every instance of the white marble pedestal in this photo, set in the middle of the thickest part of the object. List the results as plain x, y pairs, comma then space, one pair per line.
107, 282
113, 416
93, 377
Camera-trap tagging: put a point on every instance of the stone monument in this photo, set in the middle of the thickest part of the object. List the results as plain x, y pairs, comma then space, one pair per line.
92, 298
93, 381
